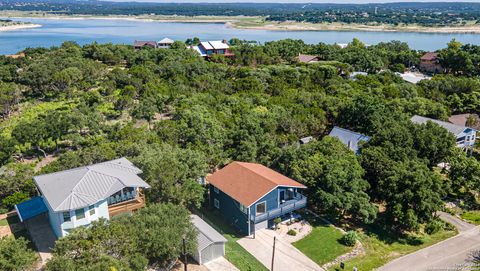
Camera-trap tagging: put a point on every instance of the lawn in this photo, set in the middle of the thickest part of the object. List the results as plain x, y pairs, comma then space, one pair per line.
322, 245
234, 253
382, 247
472, 217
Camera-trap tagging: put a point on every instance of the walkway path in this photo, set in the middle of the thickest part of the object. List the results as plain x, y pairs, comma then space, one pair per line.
287, 257
446, 255
220, 264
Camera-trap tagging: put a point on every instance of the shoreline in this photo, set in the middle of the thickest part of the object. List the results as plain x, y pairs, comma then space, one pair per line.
256, 23
15, 27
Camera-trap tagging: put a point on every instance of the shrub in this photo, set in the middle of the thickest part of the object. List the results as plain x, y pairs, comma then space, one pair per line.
14, 199
349, 238
277, 221
292, 232
15, 254
434, 226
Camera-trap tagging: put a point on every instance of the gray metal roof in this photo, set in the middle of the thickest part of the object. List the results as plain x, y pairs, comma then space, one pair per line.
349, 138
206, 234
166, 41
452, 128
80, 187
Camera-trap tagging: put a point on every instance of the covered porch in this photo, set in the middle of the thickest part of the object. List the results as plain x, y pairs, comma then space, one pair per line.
127, 200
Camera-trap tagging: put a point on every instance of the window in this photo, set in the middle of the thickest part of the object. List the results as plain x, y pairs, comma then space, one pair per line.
243, 208
91, 209
215, 189
80, 213
66, 217
216, 203
468, 138
261, 208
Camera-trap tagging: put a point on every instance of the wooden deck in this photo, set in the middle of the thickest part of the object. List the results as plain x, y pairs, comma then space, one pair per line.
127, 206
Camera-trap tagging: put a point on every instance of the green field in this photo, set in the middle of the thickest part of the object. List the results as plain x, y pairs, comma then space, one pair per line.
322, 245
472, 217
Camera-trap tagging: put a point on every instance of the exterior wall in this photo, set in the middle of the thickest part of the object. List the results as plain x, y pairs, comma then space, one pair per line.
430, 66
229, 209
467, 138
61, 228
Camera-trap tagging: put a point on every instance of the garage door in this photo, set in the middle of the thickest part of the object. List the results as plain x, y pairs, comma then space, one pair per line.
261, 225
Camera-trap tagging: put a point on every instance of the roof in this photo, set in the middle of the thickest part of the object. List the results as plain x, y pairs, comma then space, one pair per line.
307, 58
206, 234
305, 140
413, 78
219, 45
452, 128
140, 43
206, 45
462, 119
429, 56
200, 50
31, 208
80, 187
166, 41
248, 182
350, 138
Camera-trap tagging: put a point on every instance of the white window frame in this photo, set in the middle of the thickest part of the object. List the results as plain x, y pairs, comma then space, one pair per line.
216, 203
215, 189
69, 216
468, 138
78, 210
91, 210
256, 206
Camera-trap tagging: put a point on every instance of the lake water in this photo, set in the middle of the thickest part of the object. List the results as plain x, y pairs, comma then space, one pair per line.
55, 31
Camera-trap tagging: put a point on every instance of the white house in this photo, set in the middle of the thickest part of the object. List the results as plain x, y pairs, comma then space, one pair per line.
165, 43
465, 136
79, 196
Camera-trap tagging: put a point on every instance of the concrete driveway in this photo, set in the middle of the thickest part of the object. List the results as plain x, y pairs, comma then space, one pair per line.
42, 236
451, 254
287, 257
221, 264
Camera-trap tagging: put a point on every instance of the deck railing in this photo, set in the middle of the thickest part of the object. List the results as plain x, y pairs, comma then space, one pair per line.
284, 209
127, 206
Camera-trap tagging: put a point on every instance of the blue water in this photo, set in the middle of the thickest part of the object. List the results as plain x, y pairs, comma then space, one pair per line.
55, 31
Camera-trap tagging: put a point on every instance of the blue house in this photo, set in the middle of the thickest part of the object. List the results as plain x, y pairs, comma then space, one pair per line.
77, 197
465, 136
250, 196
351, 139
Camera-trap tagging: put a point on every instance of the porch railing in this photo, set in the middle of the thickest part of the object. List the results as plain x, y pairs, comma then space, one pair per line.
284, 209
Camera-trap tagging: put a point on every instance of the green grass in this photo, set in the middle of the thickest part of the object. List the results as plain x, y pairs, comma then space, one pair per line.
3, 222
381, 247
322, 245
472, 217
234, 253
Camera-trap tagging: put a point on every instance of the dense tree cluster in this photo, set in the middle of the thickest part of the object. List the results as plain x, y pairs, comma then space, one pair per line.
15, 254
153, 236
179, 117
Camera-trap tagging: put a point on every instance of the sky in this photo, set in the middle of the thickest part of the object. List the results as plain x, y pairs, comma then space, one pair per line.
297, 1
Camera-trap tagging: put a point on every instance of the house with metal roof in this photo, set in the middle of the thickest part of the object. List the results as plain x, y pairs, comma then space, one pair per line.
466, 136
139, 44
350, 138
209, 48
211, 244
165, 43
79, 196
250, 196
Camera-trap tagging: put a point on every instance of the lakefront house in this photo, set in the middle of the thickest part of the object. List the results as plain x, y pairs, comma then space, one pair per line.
77, 197
430, 63
210, 48
465, 136
250, 196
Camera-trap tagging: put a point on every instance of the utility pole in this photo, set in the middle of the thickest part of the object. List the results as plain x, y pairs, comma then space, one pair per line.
273, 253
185, 254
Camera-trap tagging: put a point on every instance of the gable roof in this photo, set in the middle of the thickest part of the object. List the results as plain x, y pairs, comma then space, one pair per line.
140, 43
166, 41
452, 128
248, 182
429, 56
462, 119
350, 138
307, 58
206, 234
80, 187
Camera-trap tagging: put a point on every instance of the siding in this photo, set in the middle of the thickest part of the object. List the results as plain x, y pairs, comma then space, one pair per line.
229, 209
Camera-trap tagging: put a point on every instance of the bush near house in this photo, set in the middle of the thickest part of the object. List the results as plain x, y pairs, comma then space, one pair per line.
349, 238
15, 255
292, 232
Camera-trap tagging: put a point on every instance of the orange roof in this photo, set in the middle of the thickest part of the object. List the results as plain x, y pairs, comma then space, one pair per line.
248, 182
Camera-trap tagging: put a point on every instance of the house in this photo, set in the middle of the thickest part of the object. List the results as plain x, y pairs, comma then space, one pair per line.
79, 196
430, 63
138, 44
209, 48
305, 140
250, 196
412, 77
351, 139
165, 43
465, 136
307, 58
211, 244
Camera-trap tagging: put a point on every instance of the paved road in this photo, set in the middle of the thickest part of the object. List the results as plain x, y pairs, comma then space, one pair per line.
445, 255
287, 257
